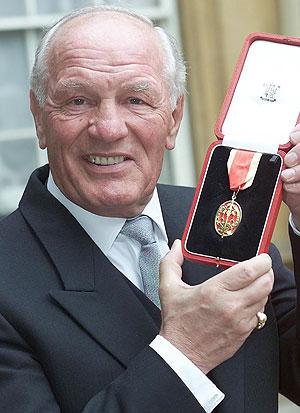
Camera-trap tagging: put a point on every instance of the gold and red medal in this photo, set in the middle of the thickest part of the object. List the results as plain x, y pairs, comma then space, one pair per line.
242, 166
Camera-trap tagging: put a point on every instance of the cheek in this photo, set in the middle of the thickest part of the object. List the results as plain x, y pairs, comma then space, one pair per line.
64, 132
154, 147
155, 139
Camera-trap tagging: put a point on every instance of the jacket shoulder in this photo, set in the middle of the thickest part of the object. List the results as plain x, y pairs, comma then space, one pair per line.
16, 242
176, 195
12, 226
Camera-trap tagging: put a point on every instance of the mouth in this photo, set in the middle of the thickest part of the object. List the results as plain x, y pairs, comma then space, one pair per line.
106, 160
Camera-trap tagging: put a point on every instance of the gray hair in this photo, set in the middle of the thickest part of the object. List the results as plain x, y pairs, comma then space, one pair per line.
174, 66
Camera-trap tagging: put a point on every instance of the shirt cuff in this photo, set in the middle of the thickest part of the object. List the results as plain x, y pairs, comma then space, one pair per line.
293, 226
204, 390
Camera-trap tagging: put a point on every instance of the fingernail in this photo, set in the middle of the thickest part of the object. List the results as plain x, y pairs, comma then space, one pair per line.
288, 174
291, 158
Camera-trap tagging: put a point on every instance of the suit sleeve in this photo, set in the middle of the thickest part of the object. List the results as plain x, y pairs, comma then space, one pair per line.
284, 298
148, 384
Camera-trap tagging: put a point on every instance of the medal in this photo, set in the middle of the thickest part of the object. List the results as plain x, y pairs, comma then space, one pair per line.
228, 217
242, 166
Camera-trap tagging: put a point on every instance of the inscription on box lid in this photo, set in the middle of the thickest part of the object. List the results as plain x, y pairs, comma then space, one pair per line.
265, 104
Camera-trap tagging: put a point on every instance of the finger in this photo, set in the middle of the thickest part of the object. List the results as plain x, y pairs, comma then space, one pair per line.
292, 187
295, 134
248, 316
253, 322
293, 156
256, 321
291, 174
244, 273
170, 266
256, 294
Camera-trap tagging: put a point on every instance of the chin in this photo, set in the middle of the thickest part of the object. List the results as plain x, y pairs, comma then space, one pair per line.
125, 207
118, 200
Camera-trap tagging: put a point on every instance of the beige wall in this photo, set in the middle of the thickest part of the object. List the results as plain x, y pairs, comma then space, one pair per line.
213, 33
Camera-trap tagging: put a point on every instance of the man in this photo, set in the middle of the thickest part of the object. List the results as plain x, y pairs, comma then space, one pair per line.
77, 332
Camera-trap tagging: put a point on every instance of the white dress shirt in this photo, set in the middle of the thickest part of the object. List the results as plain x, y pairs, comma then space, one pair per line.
123, 252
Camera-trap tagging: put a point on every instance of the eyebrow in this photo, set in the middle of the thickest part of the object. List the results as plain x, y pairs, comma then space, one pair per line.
75, 84
139, 86
71, 84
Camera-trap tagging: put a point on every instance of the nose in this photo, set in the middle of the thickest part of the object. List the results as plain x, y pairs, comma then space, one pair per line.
108, 123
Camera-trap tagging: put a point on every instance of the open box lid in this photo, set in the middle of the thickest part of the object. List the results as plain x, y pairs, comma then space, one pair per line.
262, 104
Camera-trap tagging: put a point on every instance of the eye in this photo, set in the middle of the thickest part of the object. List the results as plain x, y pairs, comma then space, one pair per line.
78, 101
78, 104
136, 101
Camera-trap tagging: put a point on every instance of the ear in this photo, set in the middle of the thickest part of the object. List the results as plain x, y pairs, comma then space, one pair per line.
37, 113
175, 123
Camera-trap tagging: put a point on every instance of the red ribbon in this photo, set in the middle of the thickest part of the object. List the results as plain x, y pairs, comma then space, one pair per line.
238, 170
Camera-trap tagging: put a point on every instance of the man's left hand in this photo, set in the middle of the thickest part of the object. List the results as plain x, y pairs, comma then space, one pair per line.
291, 177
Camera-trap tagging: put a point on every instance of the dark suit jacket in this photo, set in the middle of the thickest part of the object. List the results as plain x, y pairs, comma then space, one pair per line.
74, 332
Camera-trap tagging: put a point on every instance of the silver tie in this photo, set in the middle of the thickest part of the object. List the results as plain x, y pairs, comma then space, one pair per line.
141, 230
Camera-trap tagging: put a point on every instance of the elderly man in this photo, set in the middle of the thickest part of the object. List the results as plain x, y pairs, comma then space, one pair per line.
80, 326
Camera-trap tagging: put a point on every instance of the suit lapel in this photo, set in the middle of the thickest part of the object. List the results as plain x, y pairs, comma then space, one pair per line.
113, 315
94, 293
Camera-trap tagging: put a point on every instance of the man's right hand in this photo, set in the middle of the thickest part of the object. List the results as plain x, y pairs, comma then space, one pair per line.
209, 322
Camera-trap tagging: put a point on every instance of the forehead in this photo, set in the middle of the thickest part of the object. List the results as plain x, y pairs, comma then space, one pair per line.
107, 38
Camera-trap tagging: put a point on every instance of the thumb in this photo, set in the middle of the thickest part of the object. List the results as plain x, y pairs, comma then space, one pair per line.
170, 266
176, 252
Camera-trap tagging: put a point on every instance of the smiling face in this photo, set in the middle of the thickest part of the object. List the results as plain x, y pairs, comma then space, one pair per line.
107, 118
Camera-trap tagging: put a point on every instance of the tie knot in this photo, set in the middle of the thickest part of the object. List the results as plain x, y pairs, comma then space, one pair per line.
140, 229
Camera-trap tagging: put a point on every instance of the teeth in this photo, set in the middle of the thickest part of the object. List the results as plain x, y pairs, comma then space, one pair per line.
103, 160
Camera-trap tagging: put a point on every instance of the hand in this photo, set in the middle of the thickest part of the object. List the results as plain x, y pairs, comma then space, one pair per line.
291, 177
209, 322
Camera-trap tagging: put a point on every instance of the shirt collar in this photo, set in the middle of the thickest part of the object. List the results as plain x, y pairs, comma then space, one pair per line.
110, 226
